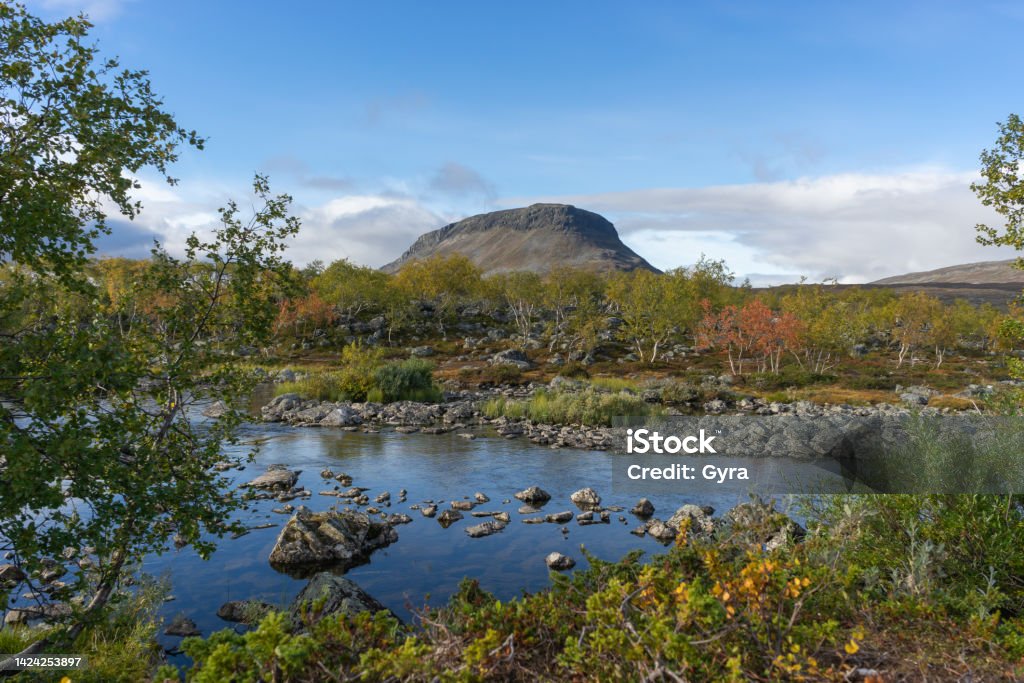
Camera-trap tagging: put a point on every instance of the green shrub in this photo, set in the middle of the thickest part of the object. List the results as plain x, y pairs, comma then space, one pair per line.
679, 392
573, 370
409, 380
364, 376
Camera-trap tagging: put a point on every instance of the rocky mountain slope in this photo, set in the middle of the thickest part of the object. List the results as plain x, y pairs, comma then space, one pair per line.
982, 273
535, 238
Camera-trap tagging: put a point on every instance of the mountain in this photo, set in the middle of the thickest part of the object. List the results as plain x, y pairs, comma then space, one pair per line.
536, 238
982, 273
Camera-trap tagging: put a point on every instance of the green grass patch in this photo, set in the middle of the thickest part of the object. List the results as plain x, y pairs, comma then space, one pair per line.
588, 407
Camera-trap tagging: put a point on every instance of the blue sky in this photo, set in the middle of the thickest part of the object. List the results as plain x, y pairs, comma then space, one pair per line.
801, 138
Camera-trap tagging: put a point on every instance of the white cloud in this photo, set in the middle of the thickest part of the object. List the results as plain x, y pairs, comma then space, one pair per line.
370, 229
855, 226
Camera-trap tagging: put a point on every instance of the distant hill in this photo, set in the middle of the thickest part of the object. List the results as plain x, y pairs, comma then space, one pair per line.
535, 238
982, 273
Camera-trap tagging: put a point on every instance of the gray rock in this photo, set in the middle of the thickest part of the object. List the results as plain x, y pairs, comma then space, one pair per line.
275, 479
559, 517
533, 494
643, 508
248, 612
421, 351
660, 531
429, 511
694, 518
485, 529
586, 499
344, 539
328, 594
481, 498
559, 562
215, 409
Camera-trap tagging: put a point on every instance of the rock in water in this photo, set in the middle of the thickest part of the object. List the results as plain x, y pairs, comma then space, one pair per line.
643, 508
215, 409
534, 494
485, 529
275, 479
182, 626
248, 612
586, 499
448, 517
559, 562
332, 594
344, 539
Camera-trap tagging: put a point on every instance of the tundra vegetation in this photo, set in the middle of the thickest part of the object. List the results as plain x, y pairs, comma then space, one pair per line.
101, 360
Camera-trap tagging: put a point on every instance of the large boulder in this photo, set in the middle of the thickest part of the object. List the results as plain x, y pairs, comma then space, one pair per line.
586, 499
694, 519
762, 523
512, 357
327, 594
342, 539
276, 478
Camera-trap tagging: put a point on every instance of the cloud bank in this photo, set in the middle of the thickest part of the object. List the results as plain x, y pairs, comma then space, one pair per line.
854, 226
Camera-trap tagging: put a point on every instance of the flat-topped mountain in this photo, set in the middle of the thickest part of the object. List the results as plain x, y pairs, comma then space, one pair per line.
535, 238
981, 273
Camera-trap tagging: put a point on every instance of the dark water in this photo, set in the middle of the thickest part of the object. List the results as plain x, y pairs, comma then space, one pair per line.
427, 560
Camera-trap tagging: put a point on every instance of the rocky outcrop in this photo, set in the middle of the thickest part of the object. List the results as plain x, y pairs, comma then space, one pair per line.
340, 539
535, 238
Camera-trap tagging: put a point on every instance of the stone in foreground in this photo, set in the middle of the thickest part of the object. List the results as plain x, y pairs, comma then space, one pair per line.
343, 539
559, 562
327, 594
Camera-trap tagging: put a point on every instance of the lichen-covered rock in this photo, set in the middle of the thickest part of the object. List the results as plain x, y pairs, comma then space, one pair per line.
343, 539
327, 594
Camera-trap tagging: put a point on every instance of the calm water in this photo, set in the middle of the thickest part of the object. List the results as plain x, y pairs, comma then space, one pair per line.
427, 561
